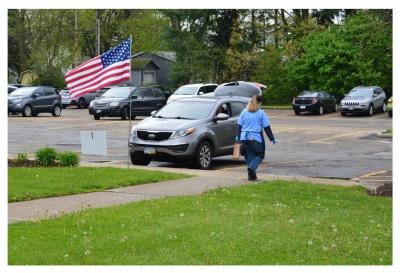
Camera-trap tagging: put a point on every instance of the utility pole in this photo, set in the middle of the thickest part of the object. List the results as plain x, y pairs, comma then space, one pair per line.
76, 39
97, 32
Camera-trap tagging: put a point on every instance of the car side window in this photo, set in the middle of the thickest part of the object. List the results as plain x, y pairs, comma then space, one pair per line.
211, 88
224, 109
147, 93
137, 93
48, 92
38, 92
202, 89
237, 108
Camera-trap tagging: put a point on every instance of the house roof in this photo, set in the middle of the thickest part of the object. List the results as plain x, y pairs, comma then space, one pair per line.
137, 64
168, 55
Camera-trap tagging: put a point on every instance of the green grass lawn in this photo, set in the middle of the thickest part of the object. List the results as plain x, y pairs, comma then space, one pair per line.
265, 224
33, 183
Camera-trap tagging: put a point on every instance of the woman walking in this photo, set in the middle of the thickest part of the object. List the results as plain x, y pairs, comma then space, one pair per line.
251, 123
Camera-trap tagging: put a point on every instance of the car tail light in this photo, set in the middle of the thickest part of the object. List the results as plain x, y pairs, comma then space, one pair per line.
314, 100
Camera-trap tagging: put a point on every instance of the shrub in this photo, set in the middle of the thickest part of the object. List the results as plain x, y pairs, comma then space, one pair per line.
46, 156
21, 157
68, 159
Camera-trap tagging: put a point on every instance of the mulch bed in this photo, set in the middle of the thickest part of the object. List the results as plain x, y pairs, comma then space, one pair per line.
384, 190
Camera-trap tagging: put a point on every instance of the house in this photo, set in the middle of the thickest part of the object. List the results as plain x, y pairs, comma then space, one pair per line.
152, 68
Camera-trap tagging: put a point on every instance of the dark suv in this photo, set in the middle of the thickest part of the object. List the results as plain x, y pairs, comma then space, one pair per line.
117, 102
30, 101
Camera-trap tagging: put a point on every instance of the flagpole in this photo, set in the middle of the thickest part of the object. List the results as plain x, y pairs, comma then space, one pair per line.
130, 94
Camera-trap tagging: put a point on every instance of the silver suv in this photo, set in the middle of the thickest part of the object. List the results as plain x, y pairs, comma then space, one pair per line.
189, 129
364, 99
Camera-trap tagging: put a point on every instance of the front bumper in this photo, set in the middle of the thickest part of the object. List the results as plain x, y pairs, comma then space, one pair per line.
353, 109
15, 108
108, 111
305, 107
66, 101
172, 150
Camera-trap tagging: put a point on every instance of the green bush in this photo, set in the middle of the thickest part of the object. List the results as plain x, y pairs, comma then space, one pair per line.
46, 156
21, 157
68, 159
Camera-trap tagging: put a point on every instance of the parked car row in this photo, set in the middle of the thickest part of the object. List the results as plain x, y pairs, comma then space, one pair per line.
361, 99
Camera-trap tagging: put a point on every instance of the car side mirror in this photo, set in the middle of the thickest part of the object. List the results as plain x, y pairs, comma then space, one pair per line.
35, 96
345, 94
221, 116
153, 113
375, 95
134, 97
201, 93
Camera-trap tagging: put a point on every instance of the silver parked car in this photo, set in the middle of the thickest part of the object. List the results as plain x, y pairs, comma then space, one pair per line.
364, 99
189, 129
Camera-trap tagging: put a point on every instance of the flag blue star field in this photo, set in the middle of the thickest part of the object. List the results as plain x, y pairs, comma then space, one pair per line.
111, 67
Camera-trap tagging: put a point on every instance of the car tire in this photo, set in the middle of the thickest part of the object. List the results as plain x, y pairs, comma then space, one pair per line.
343, 114
27, 111
297, 113
390, 114
139, 160
96, 117
384, 108
370, 110
203, 156
321, 110
124, 113
64, 106
81, 103
56, 110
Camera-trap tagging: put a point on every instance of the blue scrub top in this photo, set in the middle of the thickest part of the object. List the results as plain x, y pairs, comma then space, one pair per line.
252, 124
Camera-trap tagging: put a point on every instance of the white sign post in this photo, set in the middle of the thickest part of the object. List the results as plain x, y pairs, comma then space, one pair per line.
93, 143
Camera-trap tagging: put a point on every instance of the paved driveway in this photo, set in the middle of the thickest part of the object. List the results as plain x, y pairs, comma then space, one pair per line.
309, 145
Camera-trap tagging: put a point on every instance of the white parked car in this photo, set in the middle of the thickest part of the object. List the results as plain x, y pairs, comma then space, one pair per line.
192, 90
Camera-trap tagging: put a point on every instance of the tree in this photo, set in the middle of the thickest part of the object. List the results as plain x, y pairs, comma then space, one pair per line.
359, 52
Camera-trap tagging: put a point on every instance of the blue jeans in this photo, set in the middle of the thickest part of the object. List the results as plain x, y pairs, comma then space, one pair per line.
253, 153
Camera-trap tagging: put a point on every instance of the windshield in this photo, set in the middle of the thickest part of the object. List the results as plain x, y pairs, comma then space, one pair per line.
186, 109
364, 92
308, 94
64, 91
117, 92
24, 91
186, 90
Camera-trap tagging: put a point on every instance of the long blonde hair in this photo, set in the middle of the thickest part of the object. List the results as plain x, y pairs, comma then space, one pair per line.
254, 104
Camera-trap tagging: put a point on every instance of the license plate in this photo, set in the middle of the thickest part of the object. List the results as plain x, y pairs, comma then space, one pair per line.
149, 150
302, 107
351, 108
98, 111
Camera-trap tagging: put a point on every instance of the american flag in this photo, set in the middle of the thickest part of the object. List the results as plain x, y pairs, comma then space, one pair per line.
109, 68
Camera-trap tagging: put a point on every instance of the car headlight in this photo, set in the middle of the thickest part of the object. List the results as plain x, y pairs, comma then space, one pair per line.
17, 101
182, 133
133, 134
114, 103
91, 103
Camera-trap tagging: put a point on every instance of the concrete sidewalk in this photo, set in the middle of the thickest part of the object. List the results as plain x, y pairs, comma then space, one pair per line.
202, 182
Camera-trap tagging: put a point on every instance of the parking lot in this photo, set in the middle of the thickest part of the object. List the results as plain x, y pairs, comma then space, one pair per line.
309, 145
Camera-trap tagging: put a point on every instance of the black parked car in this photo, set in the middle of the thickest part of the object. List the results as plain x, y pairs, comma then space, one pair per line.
318, 102
30, 101
116, 102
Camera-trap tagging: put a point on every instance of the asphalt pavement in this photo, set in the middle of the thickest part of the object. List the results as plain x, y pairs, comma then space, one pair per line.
328, 146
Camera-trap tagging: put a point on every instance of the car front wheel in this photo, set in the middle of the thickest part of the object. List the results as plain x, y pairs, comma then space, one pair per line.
203, 156
27, 111
297, 112
56, 111
321, 110
370, 110
81, 103
384, 108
